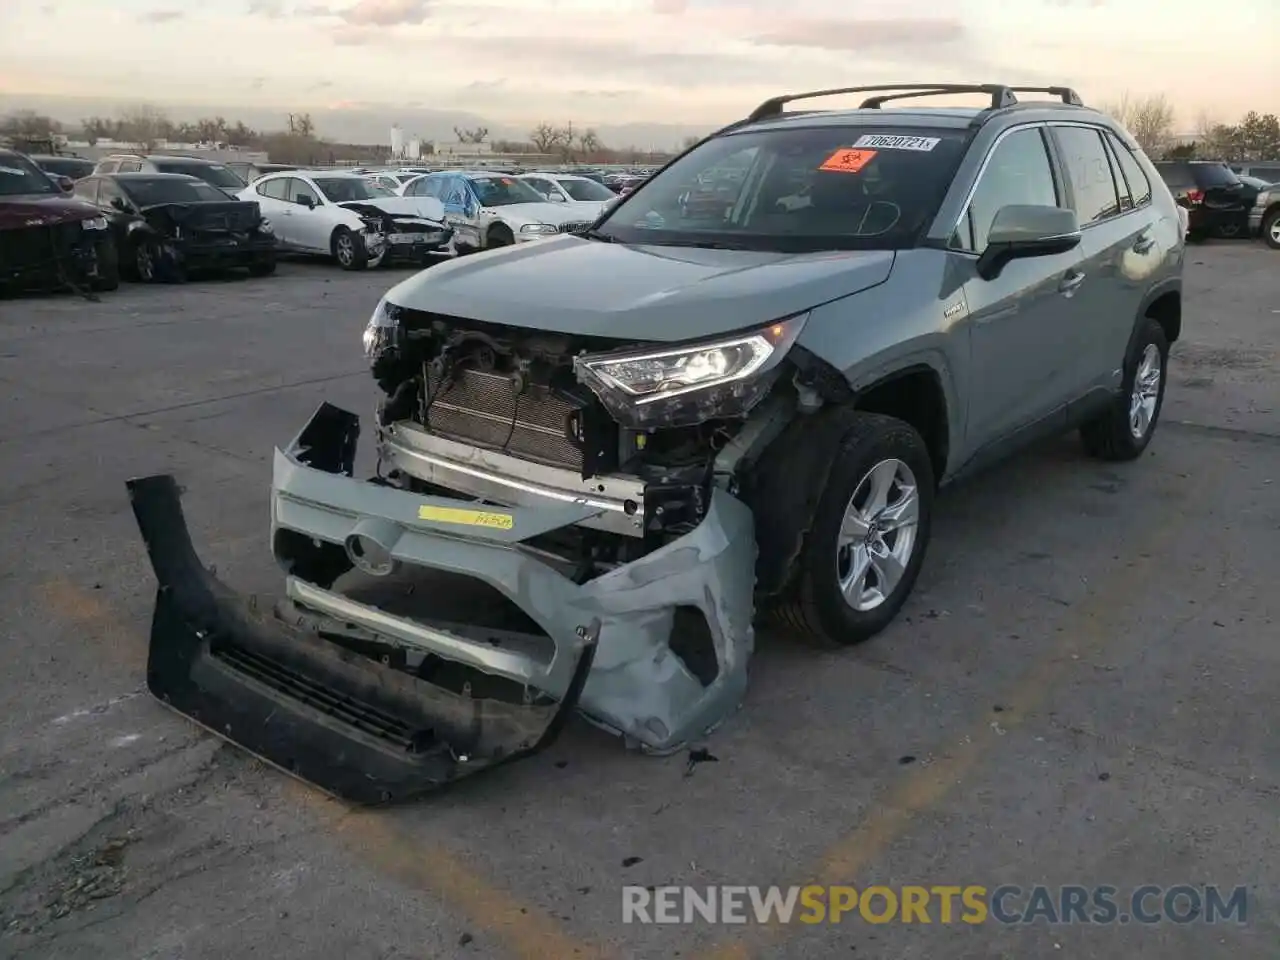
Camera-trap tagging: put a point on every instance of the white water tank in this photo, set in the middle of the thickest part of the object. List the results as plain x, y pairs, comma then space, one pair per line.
397, 141
415, 149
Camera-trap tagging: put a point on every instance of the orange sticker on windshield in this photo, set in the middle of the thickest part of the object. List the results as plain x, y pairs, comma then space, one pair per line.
847, 160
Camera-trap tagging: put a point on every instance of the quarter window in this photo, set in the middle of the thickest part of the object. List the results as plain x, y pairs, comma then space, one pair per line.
1096, 197
1134, 175
1017, 172
87, 189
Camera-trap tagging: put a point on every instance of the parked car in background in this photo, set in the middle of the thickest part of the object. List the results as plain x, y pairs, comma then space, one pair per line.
249, 171
169, 225
1269, 172
60, 166
1217, 202
582, 193
487, 209
346, 216
212, 173
48, 238
1264, 215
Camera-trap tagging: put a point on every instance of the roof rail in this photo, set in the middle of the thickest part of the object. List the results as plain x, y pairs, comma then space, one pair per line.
1001, 95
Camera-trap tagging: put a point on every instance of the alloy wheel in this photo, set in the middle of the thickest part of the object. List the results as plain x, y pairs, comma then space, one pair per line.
346, 250
146, 262
877, 534
1146, 392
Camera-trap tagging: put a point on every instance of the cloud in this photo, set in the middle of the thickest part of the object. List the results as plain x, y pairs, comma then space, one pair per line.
670, 8
272, 9
162, 16
386, 13
257, 83
321, 85
849, 35
313, 10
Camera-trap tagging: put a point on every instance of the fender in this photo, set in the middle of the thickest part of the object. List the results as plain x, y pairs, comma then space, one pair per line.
1159, 289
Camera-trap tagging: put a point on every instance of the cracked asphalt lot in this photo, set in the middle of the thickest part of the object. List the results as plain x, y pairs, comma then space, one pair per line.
1082, 690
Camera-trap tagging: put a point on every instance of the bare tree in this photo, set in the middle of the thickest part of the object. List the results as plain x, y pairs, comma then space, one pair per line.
28, 123
544, 137
589, 142
1149, 119
144, 125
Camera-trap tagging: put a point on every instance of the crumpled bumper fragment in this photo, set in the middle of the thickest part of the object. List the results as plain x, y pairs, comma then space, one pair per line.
364, 732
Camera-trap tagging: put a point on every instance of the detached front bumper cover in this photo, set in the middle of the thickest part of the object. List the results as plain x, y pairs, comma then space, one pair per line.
364, 732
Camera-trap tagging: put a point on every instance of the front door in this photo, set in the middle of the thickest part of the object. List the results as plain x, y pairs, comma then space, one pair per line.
1021, 322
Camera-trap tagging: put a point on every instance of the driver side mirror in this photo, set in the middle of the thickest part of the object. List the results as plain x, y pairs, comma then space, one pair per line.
65, 183
118, 203
1027, 230
306, 200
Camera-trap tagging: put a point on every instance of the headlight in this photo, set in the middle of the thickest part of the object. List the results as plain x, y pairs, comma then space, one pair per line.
680, 386
538, 228
382, 332
96, 223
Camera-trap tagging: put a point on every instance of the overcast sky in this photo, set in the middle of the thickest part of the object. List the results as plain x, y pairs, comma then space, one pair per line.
682, 61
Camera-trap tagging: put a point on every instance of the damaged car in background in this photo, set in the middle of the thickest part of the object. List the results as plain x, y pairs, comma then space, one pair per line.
48, 239
168, 225
747, 410
359, 223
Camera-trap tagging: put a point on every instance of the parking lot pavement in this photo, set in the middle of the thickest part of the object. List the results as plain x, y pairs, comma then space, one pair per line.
1080, 692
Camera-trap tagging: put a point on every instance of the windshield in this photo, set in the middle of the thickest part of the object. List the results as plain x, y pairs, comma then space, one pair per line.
18, 175
795, 190
214, 173
145, 193
67, 166
504, 191
343, 189
586, 190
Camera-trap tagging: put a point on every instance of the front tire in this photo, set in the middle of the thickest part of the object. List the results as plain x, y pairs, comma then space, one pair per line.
1271, 229
108, 277
1125, 429
349, 250
861, 559
146, 260
264, 267
500, 236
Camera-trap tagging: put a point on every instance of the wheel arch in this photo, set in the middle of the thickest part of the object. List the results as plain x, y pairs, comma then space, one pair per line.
784, 510
1163, 304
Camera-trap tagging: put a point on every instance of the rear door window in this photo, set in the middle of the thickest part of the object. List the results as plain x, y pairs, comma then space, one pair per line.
276, 189
130, 166
1096, 197
1139, 187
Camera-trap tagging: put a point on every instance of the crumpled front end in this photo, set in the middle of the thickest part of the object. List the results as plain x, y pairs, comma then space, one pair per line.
675, 626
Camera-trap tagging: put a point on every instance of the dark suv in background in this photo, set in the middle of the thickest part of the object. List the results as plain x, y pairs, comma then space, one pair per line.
1217, 201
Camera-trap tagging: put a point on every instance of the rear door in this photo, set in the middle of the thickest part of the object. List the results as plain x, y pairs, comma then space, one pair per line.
1022, 321
1120, 253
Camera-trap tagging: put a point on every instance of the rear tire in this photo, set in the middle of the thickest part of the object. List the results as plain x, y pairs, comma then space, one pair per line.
863, 554
348, 249
1125, 429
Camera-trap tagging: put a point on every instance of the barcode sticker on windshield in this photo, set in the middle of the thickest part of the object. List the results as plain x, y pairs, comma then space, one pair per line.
845, 160
882, 141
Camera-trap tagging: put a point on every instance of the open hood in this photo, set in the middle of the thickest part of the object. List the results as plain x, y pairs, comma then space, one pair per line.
425, 208
569, 284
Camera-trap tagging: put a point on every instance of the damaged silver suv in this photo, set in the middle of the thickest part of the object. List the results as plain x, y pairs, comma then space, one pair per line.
737, 392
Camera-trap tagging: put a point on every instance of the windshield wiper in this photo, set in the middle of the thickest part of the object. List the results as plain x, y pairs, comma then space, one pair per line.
597, 235
699, 244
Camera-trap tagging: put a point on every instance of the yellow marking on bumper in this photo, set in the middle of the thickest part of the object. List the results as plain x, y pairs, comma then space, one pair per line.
467, 518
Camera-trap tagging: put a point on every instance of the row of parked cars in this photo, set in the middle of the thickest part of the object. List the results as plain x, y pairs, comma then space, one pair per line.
1226, 202
71, 221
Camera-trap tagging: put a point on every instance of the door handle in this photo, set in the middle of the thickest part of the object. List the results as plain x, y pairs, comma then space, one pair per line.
1071, 282
1144, 243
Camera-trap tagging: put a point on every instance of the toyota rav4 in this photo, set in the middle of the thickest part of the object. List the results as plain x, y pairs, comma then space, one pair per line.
646, 435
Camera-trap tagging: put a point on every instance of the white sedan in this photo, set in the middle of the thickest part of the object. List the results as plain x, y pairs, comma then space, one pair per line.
488, 209
581, 192
346, 216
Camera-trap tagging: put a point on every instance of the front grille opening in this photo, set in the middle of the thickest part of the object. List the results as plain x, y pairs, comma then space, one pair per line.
349, 710
462, 605
692, 641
